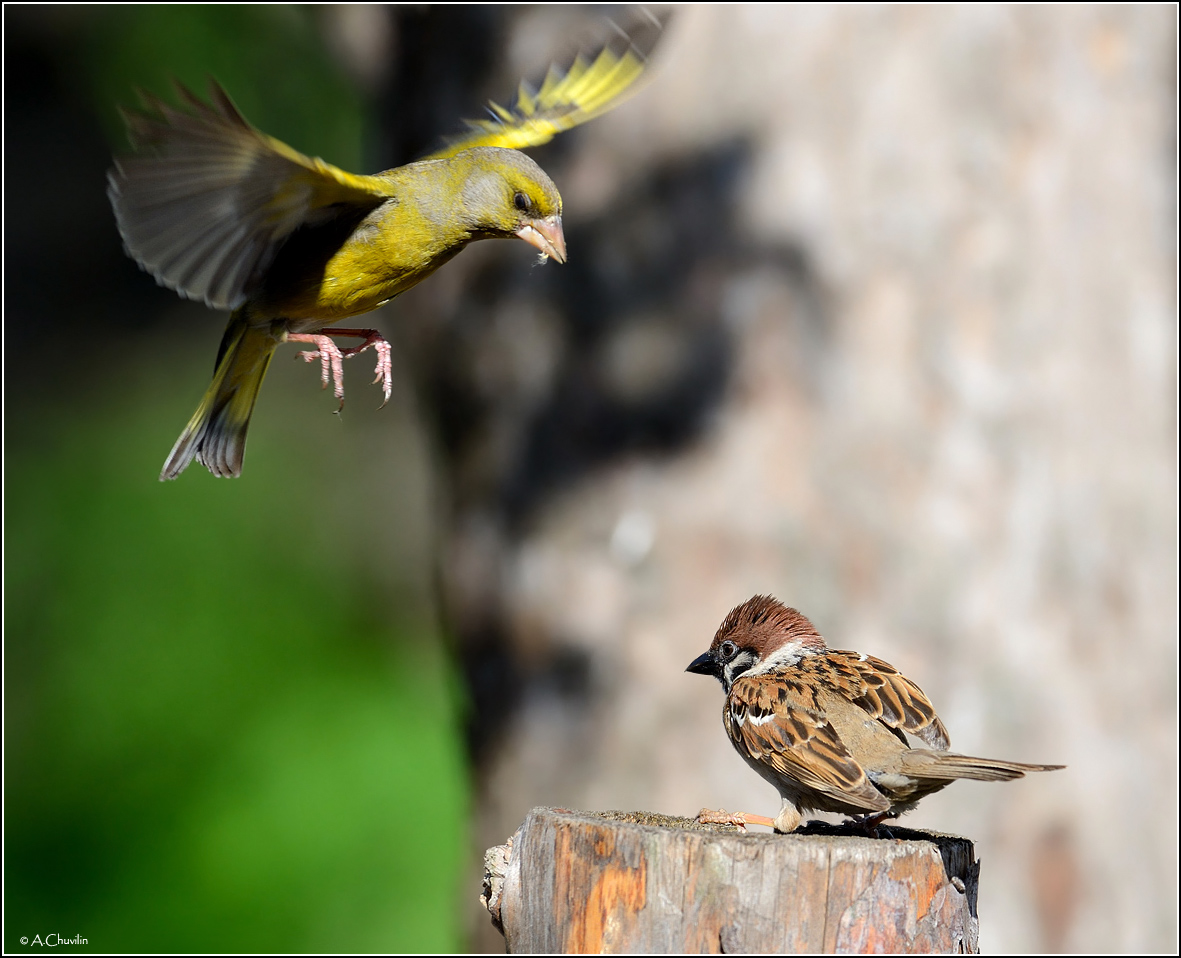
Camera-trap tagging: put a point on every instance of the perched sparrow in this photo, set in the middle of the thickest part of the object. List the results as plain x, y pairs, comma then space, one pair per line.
826, 727
218, 211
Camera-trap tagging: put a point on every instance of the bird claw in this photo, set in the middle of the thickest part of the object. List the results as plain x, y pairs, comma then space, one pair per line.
708, 816
332, 358
872, 823
384, 369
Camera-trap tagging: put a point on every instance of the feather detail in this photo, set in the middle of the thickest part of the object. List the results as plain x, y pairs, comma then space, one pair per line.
205, 207
781, 725
950, 766
885, 693
567, 98
216, 434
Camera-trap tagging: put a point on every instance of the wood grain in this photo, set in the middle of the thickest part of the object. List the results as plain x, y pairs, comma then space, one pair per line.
611, 882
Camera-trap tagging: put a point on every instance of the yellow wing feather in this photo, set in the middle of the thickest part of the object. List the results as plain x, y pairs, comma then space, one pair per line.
566, 99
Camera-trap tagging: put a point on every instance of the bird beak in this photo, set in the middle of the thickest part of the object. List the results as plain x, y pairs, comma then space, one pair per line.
704, 664
546, 235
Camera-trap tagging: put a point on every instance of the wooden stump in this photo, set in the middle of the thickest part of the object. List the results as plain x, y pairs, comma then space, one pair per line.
637, 882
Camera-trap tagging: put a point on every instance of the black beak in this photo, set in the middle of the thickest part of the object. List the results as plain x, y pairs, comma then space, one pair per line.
704, 664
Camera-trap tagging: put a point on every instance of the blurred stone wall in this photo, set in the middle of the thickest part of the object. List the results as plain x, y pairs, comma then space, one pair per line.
873, 309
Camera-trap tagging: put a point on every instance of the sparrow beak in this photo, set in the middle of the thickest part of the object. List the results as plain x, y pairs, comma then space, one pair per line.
704, 664
546, 234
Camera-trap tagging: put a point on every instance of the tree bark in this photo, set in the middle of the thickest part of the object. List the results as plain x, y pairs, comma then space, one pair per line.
611, 882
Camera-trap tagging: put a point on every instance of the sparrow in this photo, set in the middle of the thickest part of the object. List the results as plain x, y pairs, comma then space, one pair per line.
827, 727
220, 212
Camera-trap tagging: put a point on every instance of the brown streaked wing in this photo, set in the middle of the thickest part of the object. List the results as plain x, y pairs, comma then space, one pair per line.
796, 741
887, 695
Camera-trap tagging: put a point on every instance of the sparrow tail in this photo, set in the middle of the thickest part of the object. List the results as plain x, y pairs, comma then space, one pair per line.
951, 766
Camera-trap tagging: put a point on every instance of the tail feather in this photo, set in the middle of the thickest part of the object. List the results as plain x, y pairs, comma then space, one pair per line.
949, 765
216, 434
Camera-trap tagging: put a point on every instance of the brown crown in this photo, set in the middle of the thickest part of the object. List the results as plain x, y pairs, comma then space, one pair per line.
763, 623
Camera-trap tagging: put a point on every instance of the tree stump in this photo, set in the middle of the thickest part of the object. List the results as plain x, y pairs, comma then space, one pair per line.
611, 882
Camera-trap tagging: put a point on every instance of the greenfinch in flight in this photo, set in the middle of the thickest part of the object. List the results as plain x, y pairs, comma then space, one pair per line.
218, 211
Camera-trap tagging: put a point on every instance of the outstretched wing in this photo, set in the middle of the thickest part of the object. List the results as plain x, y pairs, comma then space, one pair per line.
566, 99
779, 723
209, 199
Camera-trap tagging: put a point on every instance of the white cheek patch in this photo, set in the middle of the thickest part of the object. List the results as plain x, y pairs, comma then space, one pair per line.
786, 655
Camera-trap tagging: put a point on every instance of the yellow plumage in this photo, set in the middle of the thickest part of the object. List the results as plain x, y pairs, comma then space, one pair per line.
564, 101
220, 212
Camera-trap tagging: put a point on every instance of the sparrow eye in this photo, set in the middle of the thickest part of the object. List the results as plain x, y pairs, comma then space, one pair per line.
727, 650
521, 202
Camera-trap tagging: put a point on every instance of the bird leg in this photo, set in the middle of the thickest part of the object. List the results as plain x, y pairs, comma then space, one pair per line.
332, 357
708, 816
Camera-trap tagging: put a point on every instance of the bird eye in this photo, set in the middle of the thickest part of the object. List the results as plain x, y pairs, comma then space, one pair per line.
727, 650
521, 201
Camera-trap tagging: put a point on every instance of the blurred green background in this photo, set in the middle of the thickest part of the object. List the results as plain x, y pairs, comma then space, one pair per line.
232, 722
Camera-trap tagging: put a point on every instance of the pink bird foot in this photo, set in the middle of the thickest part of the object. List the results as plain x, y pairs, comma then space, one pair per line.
332, 358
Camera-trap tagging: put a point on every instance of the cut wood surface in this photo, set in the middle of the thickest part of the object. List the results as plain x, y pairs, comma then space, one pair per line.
610, 882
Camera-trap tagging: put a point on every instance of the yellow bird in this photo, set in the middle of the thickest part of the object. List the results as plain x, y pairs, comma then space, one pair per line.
219, 211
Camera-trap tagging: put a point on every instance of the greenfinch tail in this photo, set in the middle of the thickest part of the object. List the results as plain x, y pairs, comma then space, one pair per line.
216, 435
